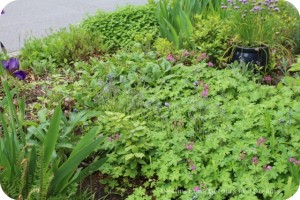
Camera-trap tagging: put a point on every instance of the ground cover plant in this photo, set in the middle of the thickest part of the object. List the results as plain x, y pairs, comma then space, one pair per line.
120, 28
185, 127
149, 120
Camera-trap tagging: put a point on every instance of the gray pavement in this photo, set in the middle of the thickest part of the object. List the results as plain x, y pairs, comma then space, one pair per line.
27, 18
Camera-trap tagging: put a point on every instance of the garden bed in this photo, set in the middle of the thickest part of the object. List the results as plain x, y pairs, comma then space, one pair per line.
143, 119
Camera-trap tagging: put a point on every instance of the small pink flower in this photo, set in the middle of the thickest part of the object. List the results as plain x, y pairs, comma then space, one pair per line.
170, 58
202, 57
269, 168
110, 139
197, 189
186, 53
255, 160
117, 136
260, 141
189, 147
267, 79
292, 160
205, 93
297, 162
193, 167
210, 64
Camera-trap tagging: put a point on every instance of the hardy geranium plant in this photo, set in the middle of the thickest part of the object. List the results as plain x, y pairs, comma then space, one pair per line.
257, 22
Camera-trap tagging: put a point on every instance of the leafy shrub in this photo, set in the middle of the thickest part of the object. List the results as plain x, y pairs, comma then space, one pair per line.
120, 28
211, 36
194, 132
60, 49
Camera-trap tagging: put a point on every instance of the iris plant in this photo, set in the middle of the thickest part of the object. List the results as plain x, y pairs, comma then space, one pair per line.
12, 66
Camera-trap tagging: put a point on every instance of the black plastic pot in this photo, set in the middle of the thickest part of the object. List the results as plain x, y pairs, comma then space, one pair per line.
258, 55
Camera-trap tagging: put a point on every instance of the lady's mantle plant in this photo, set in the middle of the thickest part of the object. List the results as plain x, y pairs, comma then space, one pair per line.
255, 22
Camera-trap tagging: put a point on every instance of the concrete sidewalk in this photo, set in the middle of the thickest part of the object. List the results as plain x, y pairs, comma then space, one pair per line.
27, 18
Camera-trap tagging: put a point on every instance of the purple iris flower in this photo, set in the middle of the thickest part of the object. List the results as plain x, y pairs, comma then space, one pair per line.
12, 64
20, 74
5, 64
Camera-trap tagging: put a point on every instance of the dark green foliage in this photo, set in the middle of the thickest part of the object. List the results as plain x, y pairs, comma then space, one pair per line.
40, 171
59, 49
120, 28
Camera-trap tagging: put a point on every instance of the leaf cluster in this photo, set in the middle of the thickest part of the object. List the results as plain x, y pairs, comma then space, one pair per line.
119, 29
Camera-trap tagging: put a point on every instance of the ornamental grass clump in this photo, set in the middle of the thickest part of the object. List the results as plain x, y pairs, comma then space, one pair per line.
257, 23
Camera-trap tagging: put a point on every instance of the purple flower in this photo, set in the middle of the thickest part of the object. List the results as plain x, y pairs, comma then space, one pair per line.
205, 93
210, 64
292, 160
170, 58
167, 104
268, 167
257, 8
196, 189
297, 162
189, 146
12, 64
255, 160
5, 64
277, 9
193, 167
20, 74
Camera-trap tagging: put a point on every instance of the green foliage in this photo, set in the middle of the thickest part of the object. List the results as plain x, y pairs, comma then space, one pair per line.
129, 141
12, 141
176, 19
139, 193
120, 28
41, 172
211, 36
175, 139
164, 47
253, 28
296, 66
60, 49
253, 25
